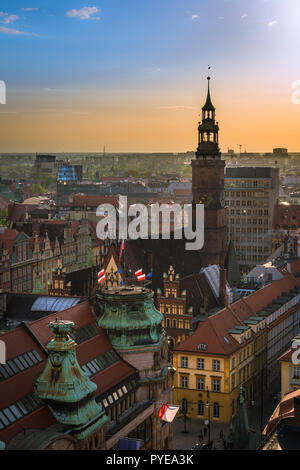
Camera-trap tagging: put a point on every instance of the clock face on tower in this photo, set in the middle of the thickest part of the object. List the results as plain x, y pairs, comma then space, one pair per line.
222, 198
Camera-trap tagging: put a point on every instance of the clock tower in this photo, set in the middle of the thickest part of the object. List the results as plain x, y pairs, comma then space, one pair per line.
208, 186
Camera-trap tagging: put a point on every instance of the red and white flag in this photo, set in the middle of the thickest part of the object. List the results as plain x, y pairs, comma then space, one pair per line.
101, 279
138, 272
101, 273
101, 276
142, 277
167, 412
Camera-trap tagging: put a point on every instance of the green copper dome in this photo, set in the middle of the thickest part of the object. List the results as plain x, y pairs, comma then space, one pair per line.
63, 385
129, 317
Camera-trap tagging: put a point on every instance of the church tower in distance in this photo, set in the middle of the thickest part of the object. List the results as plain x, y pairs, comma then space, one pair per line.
208, 186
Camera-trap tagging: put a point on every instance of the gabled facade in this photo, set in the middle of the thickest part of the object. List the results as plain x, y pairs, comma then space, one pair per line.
172, 304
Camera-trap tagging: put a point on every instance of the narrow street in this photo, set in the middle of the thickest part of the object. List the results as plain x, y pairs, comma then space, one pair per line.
194, 426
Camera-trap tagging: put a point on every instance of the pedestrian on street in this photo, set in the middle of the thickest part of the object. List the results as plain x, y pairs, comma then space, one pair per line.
221, 434
252, 403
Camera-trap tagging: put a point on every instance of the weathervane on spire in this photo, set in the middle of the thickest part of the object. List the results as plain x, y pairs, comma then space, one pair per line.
209, 67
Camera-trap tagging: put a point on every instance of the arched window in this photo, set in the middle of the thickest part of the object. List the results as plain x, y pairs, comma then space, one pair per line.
216, 410
200, 408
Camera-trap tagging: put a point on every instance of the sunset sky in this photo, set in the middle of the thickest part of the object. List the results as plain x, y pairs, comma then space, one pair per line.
131, 74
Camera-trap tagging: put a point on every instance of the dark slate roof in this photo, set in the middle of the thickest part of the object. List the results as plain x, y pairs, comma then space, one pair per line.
164, 253
197, 288
232, 266
208, 104
83, 281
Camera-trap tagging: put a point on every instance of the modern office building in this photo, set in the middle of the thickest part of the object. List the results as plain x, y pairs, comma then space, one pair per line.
251, 196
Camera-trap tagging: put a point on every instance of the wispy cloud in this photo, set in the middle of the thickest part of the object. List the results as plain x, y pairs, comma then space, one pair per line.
195, 16
86, 13
244, 15
7, 19
272, 23
5, 30
29, 9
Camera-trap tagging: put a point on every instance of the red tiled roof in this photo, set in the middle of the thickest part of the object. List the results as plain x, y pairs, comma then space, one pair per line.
214, 329
259, 299
111, 376
39, 419
80, 314
19, 341
287, 356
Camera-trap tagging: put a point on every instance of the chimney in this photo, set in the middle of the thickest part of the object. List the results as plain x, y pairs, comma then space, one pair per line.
222, 287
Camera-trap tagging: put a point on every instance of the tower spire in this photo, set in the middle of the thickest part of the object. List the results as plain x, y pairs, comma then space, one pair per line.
208, 130
208, 105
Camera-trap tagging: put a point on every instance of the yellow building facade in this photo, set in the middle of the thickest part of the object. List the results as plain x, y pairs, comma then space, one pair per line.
213, 379
290, 373
215, 361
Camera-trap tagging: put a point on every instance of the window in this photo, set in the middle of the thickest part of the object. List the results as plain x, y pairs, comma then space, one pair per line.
296, 373
200, 408
216, 364
184, 382
200, 364
200, 384
216, 385
19, 363
19, 409
184, 405
232, 381
184, 362
216, 410
233, 363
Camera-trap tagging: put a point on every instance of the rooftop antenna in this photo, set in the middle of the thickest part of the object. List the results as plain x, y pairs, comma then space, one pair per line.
240, 145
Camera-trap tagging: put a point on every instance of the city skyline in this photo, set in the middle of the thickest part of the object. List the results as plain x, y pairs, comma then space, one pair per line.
132, 76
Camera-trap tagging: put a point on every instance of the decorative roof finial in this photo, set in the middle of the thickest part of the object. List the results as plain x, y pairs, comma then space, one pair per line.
208, 77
